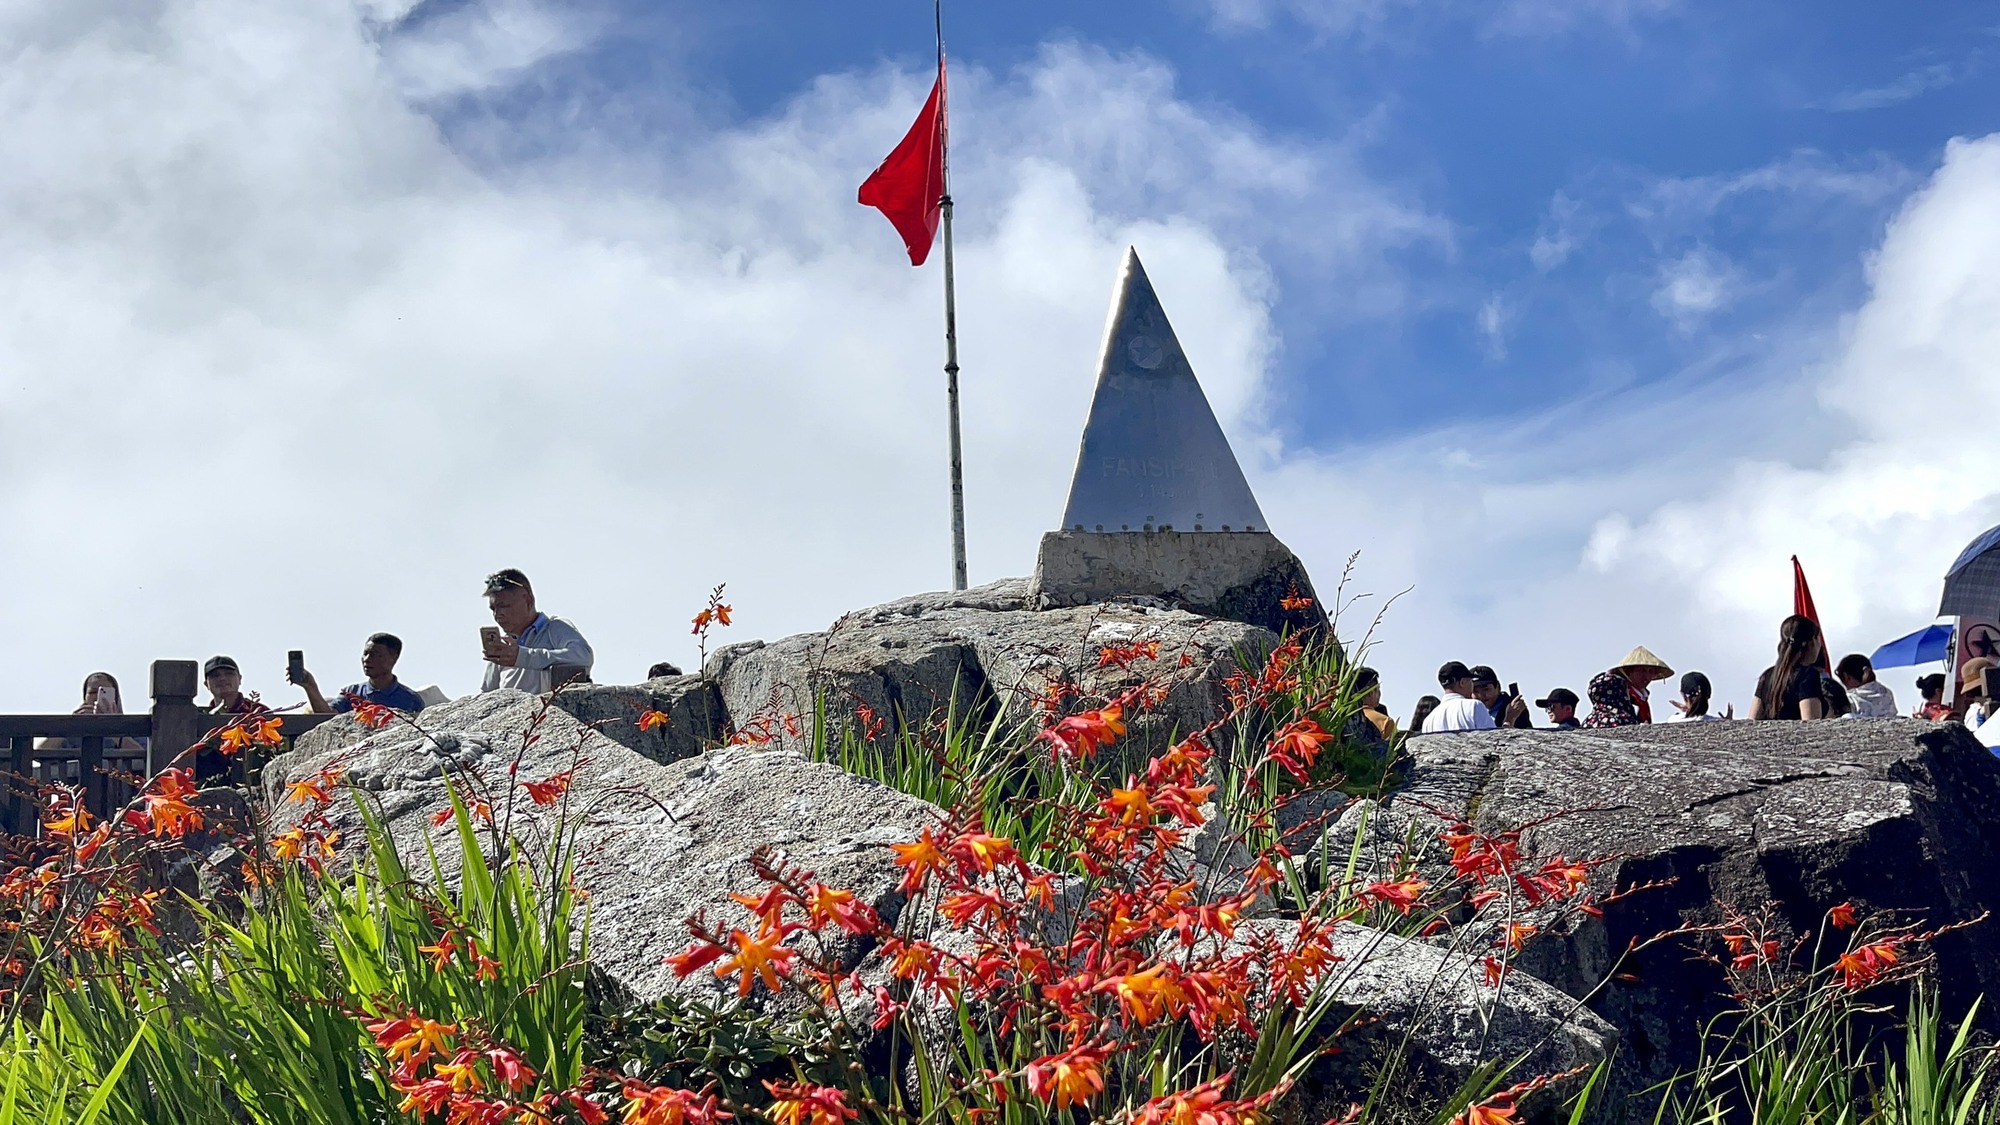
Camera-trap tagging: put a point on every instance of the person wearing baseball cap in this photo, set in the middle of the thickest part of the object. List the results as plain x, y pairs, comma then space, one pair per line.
225, 688
1507, 710
1561, 706
1458, 710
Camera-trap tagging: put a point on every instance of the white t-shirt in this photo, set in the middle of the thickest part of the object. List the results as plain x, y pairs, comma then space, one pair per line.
1684, 717
1872, 701
1458, 713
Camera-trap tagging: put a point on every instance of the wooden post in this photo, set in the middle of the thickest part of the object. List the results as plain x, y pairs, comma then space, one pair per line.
90, 774
21, 809
177, 722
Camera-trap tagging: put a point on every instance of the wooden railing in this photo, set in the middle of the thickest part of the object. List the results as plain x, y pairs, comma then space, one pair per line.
97, 763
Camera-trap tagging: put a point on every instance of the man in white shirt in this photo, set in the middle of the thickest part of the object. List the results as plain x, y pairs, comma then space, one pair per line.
1872, 698
528, 642
1458, 710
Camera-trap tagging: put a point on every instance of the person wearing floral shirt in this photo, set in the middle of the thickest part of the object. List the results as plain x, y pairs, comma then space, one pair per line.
1618, 697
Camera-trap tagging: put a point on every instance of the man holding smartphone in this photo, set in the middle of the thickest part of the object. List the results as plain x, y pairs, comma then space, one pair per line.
379, 685
523, 643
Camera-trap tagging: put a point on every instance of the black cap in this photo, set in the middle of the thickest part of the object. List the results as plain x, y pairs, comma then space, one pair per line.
1559, 695
219, 663
1453, 672
1481, 674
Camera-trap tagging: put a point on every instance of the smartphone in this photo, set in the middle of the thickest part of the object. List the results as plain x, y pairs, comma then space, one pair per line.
1990, 681
489, 635
107, 698
295, 665
1514, 691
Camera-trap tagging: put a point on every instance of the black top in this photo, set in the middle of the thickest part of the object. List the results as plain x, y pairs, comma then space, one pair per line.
1804, 684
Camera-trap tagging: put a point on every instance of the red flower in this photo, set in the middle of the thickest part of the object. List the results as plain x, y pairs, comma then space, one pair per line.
1402, 894
1842, 916
652, 719
798, 1103
550, 791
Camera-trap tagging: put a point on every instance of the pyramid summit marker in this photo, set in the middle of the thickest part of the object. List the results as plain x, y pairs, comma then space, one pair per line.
1159, 511
1153, 456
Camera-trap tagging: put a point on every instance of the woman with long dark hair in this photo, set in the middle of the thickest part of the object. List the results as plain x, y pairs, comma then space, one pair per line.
1790, 689
1425, 706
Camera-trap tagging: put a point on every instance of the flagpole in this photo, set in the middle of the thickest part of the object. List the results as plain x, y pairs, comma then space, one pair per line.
951, 337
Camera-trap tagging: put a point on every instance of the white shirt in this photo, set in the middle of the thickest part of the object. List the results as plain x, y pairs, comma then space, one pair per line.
1872, 701
1684, 717
1458, 713
550, 640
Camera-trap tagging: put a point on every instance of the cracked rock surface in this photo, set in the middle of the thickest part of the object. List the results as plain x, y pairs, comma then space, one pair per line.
1893, 815
657, 842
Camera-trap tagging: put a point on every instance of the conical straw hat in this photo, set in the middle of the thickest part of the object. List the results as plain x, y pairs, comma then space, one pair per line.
1642, 657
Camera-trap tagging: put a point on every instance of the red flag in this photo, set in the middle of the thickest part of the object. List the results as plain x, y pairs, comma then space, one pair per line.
1802, 604
909, 186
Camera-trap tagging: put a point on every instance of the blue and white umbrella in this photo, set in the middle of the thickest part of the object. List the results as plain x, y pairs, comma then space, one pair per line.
1925, 646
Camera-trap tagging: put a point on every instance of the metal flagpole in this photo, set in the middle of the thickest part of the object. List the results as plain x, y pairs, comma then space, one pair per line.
951, 335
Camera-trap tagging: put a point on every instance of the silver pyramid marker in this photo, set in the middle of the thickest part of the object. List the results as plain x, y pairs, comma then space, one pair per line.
1153, 456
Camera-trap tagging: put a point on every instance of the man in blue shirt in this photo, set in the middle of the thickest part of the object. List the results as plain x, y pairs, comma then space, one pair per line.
378, 664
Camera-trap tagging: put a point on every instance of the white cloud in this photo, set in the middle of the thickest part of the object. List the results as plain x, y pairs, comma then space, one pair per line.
479, 46
1910, 478
283, 370
1692, 286
1914, 84
1511, 17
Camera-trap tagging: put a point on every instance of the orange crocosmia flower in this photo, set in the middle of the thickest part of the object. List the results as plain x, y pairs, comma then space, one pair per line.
68, 820
374, 716
1863, 966
1518, 934
235, 739
722, 613
982, 852
962, 910
1842, 916
798, 1103
652, 719
1130, 806
1070, 1078
919, 858
1293, 603
1494, 971
549, 791
1493, 1111
764, 957
1297, 745
287, 845
268, 732
508, 1067
826, 905
441, 953
462, 1072
703, 619
1147, 995
769, 907
426, 1097
1401, 894
663, 1105
696, 957
412, 1039
313, 790
165, 810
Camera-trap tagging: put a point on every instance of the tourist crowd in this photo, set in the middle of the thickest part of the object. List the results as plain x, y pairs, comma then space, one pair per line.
524, 648
1799, 685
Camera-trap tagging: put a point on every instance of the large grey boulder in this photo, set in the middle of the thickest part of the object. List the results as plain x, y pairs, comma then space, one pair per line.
1431, 1021
907, 660
655, 842
1899, 815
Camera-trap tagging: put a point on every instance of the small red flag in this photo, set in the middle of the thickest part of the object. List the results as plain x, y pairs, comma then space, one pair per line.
909, 186
1802, 604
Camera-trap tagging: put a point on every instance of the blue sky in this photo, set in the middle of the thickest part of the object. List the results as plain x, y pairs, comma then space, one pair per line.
1571, 153
1574, 318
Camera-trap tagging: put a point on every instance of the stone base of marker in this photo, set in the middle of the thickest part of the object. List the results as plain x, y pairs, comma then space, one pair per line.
1238, 575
